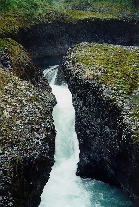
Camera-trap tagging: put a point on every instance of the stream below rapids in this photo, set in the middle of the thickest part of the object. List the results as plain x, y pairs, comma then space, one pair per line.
64, 188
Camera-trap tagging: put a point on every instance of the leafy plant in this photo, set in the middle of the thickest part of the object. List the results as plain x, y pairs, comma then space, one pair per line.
6, 5
32, 5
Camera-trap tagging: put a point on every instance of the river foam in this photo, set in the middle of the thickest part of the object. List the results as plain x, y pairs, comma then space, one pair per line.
64, 188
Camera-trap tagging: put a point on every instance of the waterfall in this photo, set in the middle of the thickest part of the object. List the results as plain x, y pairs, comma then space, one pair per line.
64, 188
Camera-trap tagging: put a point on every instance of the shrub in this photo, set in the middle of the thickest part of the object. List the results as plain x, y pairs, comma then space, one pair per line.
6, 5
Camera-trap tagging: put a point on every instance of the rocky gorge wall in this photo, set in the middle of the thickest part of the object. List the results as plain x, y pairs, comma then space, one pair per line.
27, 132
55, 37
96, 119
107, 149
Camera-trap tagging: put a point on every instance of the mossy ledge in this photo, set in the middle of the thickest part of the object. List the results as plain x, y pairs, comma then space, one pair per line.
27, 133
104, 82
59, 31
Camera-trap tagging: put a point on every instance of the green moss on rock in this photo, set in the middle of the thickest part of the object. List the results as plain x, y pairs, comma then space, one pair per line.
116, 70
11, 22
25, 125
27, 131
23, 113
81, 15
103, 10
20, 60
115, 66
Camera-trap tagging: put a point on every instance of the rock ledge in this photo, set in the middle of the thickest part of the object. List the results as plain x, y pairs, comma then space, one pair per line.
106, 110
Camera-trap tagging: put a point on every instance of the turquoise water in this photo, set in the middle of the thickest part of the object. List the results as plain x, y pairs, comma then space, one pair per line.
64, 188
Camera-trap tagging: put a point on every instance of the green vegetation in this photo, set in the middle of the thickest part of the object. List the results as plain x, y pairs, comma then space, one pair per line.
118, 65
35, 5
32, 5
21, 63
80, 15
104, 9
24, 113
23, 14
116, 70
130, 3
111, 65
19, 100
26, 15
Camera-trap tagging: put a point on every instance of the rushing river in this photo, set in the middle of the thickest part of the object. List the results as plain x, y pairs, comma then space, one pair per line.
64, 188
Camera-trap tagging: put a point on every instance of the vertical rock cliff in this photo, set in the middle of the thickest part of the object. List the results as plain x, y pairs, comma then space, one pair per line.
55, 37
27, 132
105, 98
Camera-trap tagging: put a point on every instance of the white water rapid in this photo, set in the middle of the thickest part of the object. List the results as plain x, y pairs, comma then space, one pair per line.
64, 188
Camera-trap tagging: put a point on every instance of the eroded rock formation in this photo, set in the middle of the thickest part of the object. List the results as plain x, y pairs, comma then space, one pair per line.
27, 131
54, 38
96, 119
106, 132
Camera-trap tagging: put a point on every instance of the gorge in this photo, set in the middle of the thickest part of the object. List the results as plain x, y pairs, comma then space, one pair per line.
99, 159
64, 188
108, 150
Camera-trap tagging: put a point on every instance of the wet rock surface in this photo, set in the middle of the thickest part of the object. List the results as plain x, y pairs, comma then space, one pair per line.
27, 133
108, 151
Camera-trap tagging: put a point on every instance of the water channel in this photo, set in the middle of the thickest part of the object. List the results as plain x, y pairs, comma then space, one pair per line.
64, 188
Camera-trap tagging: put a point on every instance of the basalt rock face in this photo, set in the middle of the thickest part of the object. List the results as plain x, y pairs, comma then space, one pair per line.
54, 38
107, 149
27, 132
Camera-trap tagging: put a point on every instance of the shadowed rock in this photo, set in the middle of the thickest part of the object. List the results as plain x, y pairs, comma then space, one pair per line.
106, 113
